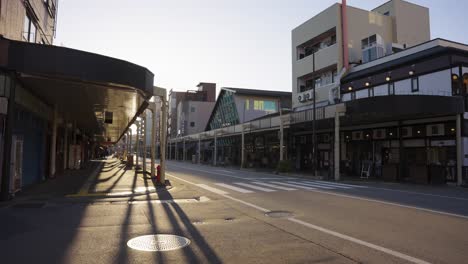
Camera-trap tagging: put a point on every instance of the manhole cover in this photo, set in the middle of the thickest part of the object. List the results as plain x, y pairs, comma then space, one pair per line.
279, 214
158, 242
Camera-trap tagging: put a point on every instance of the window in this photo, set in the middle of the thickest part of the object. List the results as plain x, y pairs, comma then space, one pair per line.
192, 124
317, 82
258, 105
192, 109
434, 130
269, 106
371, 92
414, 84
386, 13
465, 82
391, 88
334, 76
353, 96
247, 104
29, 30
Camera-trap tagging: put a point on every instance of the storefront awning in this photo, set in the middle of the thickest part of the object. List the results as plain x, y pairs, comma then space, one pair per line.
101, 94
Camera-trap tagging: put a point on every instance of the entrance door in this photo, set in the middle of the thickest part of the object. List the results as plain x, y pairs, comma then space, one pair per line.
16, 165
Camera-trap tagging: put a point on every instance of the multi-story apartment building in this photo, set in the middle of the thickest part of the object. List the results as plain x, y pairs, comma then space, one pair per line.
343, 35
193, 110
30, 20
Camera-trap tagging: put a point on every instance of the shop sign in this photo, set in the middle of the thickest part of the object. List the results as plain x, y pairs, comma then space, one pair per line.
442, 143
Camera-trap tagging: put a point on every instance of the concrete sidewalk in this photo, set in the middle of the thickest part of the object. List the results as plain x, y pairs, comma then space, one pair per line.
96, 229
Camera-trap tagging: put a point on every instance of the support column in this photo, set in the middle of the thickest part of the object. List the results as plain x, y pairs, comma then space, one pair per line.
281, 148
199, 149
243, 148
65, 147
53, 143
176, 151
163, 141
153, 139
184, 154
460, 154
144, 141
170, 150
137, 144
215, 152
336, 146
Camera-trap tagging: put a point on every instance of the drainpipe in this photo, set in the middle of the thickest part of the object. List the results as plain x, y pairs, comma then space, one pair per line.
344, 34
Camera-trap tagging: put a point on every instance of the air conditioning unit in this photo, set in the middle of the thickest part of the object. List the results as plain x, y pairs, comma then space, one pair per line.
301, 98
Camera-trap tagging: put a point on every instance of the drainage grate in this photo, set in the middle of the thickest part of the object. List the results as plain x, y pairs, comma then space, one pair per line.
158, 242
279, 214
28, 205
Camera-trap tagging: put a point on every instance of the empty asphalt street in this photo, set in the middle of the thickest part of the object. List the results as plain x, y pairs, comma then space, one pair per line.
231, 216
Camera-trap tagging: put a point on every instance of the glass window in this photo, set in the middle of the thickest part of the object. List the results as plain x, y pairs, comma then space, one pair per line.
192, 124
346, 97
269, 106
318, 82
27, 22
455, 84
391, 88
465, 82
415, 84
29, 30
362, 94
192, 109
258, 105
247, 104
380, 90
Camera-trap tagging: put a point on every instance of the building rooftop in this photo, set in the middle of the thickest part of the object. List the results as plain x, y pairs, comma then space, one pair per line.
245, 91
422, 50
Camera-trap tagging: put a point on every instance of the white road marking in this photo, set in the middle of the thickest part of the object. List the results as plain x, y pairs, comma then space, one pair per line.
211, 189
296, 185
329, 185
254, 187
360, 242
324, 230
394, 204
275, 186
313, 185
343, 184
237, 189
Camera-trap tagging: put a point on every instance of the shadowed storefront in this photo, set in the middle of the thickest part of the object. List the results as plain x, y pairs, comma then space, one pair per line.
61, 107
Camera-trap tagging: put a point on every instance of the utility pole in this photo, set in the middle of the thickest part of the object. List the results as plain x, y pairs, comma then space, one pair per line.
161, 93
314, 134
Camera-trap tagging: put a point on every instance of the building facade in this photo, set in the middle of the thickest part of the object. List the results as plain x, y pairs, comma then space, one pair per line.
31, 21
372, 96
319, 46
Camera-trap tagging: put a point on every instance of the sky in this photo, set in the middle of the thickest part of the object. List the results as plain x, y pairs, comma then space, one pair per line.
236, 43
